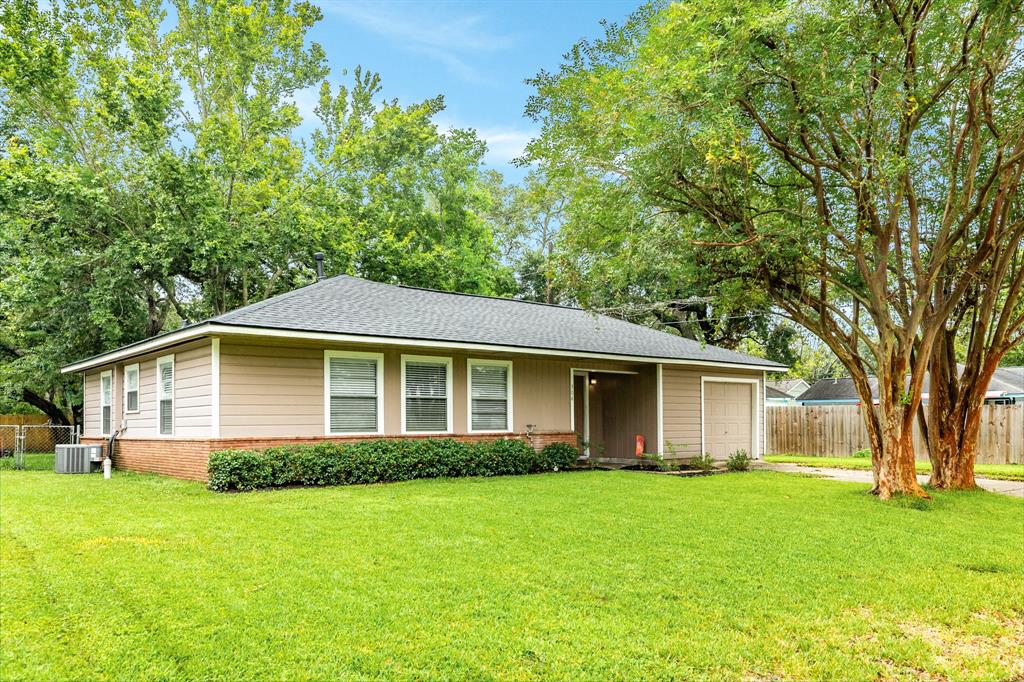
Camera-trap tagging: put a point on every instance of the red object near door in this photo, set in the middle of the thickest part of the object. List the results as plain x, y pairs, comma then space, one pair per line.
639, 445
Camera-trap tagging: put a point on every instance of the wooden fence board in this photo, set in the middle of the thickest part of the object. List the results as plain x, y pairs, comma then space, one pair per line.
839, 431
21, 419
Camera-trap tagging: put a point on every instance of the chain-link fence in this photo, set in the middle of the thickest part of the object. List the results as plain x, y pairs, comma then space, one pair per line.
8, 442
31, 446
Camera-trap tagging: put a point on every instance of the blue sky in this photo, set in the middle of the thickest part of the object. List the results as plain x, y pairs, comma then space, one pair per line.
476, 54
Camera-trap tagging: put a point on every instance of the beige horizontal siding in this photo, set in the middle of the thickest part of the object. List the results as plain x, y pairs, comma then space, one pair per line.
193, 392
269, 388
681, 406
91, 404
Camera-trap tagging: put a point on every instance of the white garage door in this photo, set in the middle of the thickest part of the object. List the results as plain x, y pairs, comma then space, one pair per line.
728, 418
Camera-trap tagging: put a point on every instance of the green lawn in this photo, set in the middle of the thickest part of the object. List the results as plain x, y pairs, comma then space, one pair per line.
586, 575
36, 461
1006, 472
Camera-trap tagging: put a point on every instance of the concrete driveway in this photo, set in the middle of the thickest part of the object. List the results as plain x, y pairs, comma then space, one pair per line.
1012, 488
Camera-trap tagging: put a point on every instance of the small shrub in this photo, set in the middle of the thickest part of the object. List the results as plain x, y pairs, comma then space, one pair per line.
659, 462
380, 461
556, 457
862, 453
738, 461
703, 462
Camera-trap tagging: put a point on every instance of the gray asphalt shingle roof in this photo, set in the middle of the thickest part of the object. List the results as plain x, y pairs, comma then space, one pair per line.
349, 305
1005, 381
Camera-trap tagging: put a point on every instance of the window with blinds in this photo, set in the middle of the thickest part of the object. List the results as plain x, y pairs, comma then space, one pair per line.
426, 395
106, 399
131, 388
353, 392
165, 395
489, 396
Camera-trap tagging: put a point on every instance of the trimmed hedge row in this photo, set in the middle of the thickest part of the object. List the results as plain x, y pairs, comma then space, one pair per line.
380, 461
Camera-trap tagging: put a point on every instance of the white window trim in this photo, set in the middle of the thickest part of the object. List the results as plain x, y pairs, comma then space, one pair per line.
160, 361
660, 381
449, 390
469, 395
585, 373
138, 388
107, 374
379, 357
755, 432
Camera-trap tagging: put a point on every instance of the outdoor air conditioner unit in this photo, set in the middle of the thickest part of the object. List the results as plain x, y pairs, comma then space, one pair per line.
76, 459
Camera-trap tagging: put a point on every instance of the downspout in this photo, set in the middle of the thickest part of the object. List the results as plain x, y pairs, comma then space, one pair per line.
107, 462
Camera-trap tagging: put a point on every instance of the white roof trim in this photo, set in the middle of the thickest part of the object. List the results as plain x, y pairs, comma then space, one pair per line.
208, 328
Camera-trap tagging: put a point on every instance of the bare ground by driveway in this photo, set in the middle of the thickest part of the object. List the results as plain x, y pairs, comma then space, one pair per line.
1012, 488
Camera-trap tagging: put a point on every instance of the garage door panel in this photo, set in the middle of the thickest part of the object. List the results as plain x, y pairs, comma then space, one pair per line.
728, 418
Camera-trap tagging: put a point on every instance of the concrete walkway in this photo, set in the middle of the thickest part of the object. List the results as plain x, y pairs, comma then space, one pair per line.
1012, 488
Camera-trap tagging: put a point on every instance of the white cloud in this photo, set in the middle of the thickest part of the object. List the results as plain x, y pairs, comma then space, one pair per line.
504, 143
306, 101
420, 29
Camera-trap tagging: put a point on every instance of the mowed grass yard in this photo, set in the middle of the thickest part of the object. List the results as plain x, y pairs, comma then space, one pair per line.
1006, 472
585, 575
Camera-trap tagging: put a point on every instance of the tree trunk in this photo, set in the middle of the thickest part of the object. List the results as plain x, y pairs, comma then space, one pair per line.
52, 411
549, 293
897, 474
895, 470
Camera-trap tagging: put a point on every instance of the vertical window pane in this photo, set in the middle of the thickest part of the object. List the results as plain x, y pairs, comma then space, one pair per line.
166, 417
426, 396
106, 394
165, 389
490, 397
131, 388
353, 393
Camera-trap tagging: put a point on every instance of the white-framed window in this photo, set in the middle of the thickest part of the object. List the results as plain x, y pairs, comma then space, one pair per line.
165, 395
131, 388
353, 392
106, 402
426, 394
490, 395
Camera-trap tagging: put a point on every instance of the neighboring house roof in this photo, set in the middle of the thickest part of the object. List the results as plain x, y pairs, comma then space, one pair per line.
352, 307
772, 393
1007, 381
839, 390
791, 387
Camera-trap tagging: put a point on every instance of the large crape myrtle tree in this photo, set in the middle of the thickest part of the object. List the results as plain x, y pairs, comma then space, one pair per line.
857, 161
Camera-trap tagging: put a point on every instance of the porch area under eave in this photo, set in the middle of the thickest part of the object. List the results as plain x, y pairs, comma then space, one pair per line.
611, 408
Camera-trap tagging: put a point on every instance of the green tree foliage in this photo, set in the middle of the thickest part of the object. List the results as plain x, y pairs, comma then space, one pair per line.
151, 172
836, 159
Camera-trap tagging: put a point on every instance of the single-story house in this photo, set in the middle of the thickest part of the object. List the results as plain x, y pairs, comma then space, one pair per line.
1005, 387
791, 388
346, 359
774, 396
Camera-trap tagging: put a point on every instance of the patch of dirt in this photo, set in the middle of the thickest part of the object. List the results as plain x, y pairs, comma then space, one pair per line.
954, 646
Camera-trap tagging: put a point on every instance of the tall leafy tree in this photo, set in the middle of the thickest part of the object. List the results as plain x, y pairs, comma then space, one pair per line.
836, 157
152, 173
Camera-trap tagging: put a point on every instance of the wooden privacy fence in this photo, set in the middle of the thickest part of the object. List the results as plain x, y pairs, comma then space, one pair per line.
839, 431
22, 419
